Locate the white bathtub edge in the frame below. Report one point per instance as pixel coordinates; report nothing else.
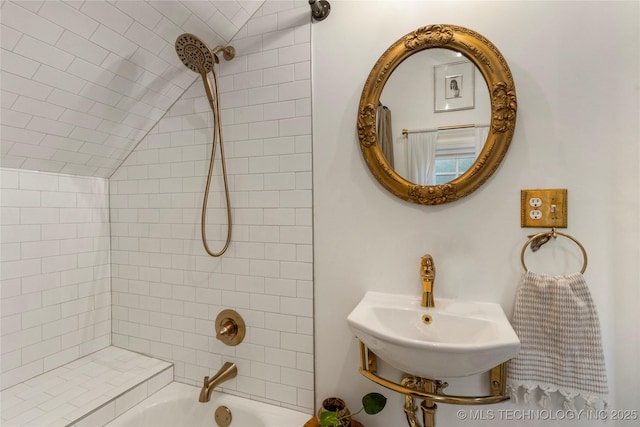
(189, 393)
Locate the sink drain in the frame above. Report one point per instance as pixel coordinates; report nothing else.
(426, 319)
(223, 416)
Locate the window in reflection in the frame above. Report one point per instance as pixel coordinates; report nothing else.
(449, 168)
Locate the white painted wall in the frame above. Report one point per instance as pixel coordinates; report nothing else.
(575, 65)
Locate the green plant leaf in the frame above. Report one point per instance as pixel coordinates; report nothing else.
(329, 419)
(373, 403)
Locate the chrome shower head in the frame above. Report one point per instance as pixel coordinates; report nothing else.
(194, 53)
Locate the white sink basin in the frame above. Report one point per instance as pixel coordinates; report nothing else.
(464, 337)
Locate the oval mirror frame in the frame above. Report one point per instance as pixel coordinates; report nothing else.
(499, 80)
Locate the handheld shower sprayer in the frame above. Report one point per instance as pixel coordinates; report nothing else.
(197, 56)
(194, 54)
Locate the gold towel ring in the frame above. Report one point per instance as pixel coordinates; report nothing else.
(548, 234)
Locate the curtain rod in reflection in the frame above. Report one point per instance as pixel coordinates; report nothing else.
(406, 132)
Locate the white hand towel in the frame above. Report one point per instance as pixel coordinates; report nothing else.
(561, 349)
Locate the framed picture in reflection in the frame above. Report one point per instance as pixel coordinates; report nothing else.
(454, 86)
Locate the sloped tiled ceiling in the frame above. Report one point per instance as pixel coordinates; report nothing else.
(84, 81)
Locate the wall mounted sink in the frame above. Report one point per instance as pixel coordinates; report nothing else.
(454, 339)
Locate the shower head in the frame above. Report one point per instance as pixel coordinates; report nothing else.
(194, 53)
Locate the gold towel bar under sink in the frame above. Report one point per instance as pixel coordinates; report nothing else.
(368, 368)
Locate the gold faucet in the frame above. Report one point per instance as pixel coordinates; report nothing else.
(229, 370)
(428, 276)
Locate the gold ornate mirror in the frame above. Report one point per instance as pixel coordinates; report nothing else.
(472, 50)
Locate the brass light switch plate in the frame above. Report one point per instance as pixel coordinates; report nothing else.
(544, 208)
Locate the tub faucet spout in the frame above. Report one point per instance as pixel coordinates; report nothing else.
(229, 370)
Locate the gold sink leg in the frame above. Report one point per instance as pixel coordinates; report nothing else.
(428, 406)
(428, 413)
(498, 380)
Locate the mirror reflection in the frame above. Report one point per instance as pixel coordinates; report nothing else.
(455, 98)
(433, 116)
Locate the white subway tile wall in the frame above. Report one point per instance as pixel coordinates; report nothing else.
(55, 271)
(83, 82)
(166, 291)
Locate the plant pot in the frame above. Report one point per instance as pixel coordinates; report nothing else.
(338, 406)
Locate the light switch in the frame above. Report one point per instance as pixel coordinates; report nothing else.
(544, 208)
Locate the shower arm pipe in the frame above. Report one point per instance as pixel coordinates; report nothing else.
(214, 102)
(319, 9)
(228, 52)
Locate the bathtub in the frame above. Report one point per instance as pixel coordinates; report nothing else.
(177, 405)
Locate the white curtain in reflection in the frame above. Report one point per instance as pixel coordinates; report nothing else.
(481, 137)
(421, 152)
(401, 160)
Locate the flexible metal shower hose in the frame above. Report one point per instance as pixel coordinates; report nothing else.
(214, 102)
